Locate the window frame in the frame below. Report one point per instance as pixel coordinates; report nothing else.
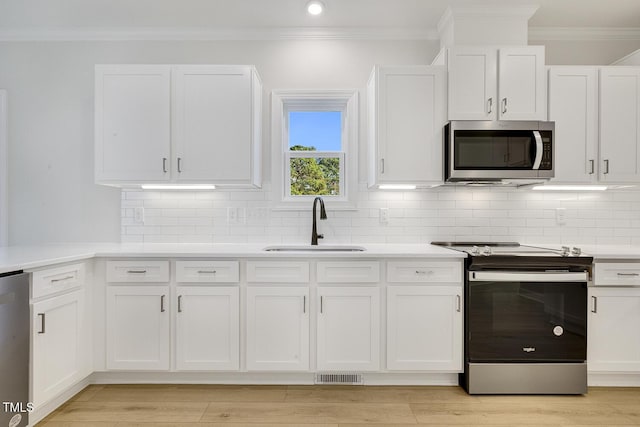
(286, 101)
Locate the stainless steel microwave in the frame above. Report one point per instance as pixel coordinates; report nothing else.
(494, 151)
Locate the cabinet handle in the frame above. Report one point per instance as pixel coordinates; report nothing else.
(164, 164)
(606, 167)
(179, 303)
(207, 271)
(628, 274)
(42, 323)
(458, 303)
(136, 271)
(179, 164)
(504, 105)
(61, 279)
(592, 167)
(321, 305)
(304, 303)
(162, 304)
(594, 305)
(489, 105)
(381, 166)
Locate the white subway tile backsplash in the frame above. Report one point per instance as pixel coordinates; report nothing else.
(445, 213)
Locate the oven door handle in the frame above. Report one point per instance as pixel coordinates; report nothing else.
(527, 276)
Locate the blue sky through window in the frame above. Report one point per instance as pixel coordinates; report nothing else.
(320, 129)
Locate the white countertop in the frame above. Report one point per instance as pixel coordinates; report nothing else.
(14, 258)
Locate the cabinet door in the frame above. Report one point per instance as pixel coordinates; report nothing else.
(277, 328)
(522, 83)
(573, 105)
(207, 328)
(138, 328)
(348, 329)
(132, 123)
(57, 345)
(613, 336)
(424, 328)
(619, 124)
(214, 123)
(472, 83)
(410, 121)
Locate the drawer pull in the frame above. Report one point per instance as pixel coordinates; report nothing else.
(42, 324)
(136, 271)
(207, 271)
(629, 274)
(424, 272)
(62, 279)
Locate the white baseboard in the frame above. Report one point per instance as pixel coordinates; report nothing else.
(607, 379)
(42, 411)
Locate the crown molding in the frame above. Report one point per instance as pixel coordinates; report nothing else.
(207, 34)
(496, 11)
(583, 33)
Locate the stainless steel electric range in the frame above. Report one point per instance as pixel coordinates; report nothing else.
(525, 318)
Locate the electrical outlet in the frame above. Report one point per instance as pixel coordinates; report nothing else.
(384, 215)
(561, 216)
(138, 215)
(232, 215)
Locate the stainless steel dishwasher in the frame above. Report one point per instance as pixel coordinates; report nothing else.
(14, 349)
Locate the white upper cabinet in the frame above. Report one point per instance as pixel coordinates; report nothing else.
(216, 116)
(619, 124)
(132, 123)
(406, 116)
(573, 106)
(178, 123)
(486, 83)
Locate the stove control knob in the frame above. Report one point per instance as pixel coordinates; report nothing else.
(565, 251)
(576, 251)
(486, 251)
(475, 250)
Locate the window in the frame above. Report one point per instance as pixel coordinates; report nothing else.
(314, 137)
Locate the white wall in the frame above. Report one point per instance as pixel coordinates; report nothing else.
(52, 197)
(586, 52)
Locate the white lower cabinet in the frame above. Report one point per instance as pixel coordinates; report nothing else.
(424, 328)
(277, 328)
(207, 328)
(348, 329)
(57, 336)
(138, 328)
(613, 335)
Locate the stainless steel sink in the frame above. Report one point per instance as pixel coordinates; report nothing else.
(310, 248)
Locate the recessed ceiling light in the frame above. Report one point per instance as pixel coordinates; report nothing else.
(315, 7)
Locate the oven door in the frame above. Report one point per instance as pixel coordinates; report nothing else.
(526, 317)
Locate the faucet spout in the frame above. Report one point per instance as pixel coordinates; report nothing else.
(323, 215)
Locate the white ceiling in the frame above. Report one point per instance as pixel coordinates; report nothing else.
(419, 15)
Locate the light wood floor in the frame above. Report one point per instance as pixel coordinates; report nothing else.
(336, 406)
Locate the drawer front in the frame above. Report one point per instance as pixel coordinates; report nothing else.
(277, 272)
(424, 272)
(143, 271)
(616, 274)
(349, 272)
(58, 279)
(207, 271)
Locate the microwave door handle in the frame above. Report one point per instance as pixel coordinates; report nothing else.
(538, 160)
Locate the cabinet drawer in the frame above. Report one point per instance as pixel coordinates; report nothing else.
(207, 271)
(53, 280)
(424, 271)
(137, 271)
(277, 272)
(349, 272)
(617, 274)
